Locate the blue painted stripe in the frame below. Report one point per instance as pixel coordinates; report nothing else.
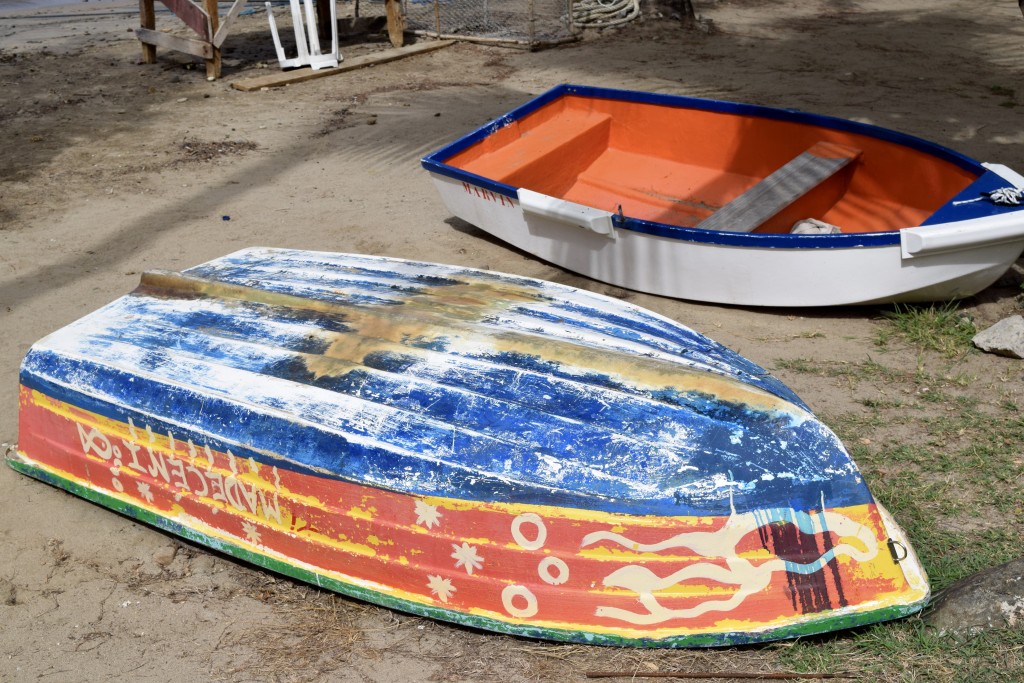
(696, 348)
(226, 424)
(263, 340)
(506, 402)
(450, 412)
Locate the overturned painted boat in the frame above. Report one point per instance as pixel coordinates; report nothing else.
(480, 448)
(733, 203)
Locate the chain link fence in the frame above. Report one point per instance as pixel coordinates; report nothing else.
(525, 23)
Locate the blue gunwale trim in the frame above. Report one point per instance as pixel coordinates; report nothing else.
(436, 163)
(827, 623)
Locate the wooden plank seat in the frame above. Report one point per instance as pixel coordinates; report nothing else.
(780, 189)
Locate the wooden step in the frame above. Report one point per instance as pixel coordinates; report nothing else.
(783, 187)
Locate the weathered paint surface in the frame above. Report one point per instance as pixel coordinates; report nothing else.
(485, 449)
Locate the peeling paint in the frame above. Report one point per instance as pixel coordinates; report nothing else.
(520, 447)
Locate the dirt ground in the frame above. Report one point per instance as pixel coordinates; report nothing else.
(109, 167)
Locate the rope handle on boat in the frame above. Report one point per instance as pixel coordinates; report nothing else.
(1005, 196)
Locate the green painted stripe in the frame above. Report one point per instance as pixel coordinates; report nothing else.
(823, 625)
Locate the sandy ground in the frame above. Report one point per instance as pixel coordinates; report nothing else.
(108, 167)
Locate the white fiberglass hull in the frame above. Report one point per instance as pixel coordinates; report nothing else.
(750, 275)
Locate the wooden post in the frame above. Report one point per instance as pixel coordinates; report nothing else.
(533, 24)
(323, 17)
(213, 63)
(147, 20)
(396, 22)
(687, 14)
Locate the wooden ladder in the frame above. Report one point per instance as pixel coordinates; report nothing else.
(783, 187)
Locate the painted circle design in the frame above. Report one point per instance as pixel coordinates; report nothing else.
(537, 522)
(510, 593)
(553, 570)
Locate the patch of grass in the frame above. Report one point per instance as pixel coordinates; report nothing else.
(800, 335)
(853, 373)
(880, 403)
(936, 327)
(869, 370)
(909, 651)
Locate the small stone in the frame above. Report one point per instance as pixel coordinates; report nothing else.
(1005, 338)
(992, 599)
(164, 556)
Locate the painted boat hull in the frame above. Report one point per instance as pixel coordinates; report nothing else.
(961, 248)
(483, 449)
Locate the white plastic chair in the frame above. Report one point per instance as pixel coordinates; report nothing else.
(309, 53)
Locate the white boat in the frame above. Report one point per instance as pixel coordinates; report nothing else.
(733, 203)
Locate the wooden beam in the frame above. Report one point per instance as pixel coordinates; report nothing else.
(193, 16)
(212, 62)
(147, 21)
(191, 46)
(225, 25)
(307, 74)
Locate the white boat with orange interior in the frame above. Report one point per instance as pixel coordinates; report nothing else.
(733, 203)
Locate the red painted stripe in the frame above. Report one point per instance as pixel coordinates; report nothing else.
(503, 559)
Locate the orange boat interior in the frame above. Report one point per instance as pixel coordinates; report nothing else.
(679, 166)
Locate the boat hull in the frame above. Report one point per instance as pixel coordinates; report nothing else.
(182, 405)
(744, 275)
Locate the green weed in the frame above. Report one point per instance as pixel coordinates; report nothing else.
(940, 328)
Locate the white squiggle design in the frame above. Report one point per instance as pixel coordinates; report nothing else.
(750, 578)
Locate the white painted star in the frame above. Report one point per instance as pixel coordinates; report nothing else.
(442, 588)
(144, 491)
(251, 532)
(427, 514)
(465, 556)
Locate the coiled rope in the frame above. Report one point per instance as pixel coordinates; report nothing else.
(1005, 196)
(604, 13)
